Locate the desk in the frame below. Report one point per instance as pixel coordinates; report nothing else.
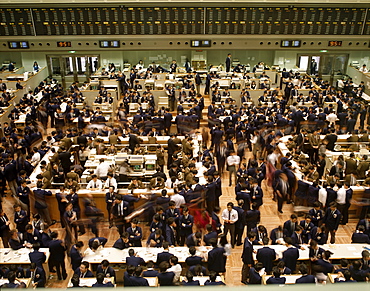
(19, 257)
(26, 281)
(88, 282)
(290, 279)
(116, 256)
(153, 281)
(87, 119)
(203, 279)
(340, 251)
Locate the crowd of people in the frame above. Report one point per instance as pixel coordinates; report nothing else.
(191, 216)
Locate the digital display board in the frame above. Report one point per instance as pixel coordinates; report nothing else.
(18, 44)
(109, 44)
(184, 20)
(64, 44)
(335, 43)
(200, 43)
(290, 43)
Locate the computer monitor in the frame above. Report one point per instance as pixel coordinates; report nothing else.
(149, 167)
(137, 168)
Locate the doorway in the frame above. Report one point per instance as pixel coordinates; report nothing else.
(71, 68)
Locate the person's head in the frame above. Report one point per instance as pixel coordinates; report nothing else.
(347, 275)
(251, 235)
(192, 250)
(134, 223)
(344, 263)
(11, 277)
(29, 228)
(276, 272)
(100, 278)
(356, 265)
(131, 252)
(288, 240)
(230, 206)
(138, 271)
(171, 221)
(75, 280)
(313, 244)
(84, 267)
(333, 206)
(317, 205)
(104, 264)
(17, 208)
(365, 254)
(79, 245)
(36, 246)
(294, 218)
(163, 266)
(150, 264)
(265, 240)
(166, 245)
(174, 260)
(258, 267)
(298, 229)
(326, 254)
(131, 269)
(308, 218)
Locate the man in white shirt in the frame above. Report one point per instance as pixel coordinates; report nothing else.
(36, 157)
(341, 198)
(178, 199)
(111, 181)
(175, 267)
(332, 118)
(323, 195)
(363, 69)
(102, 169)
(230, 216)
(172, 182)
(95, 183)
(233, 162)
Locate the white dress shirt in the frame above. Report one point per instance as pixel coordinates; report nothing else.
(341, 196)
(233, 215)
(233, 160)
(111, 182)
(322, 196)
(178, 199)
(102, 169)
(95, 185)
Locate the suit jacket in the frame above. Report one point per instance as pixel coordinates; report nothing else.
(360, 238)
(150, 273)
(76, 258)
(273, 280)
(266, 256)
(88, 273)
(316, 216)
(208, 236)
(288, 227)
(135, 261)
(170, 236)
(102, 241)
(186, 229)
(135, 236)
(290, 257)
(254, 277)
(193, 260)
(138, 281)
(306, 279)
(108, 271)
(39, 278)
(247, 255)
(366, 224)
(351, 166)
(166, 278)
(163, 257)
(38, 258)
(120, 244)
(332, 220)
(273, 235)
(326, 266)
(57, 251)
(217, 260)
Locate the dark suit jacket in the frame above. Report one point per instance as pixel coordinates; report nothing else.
(38, 258)
(217, 260)
(88, 274)
(109, 271)
(150, 273)
(289, 229)
(102, 241)
(306, 279)
(40, 277)
(266, 256)
(274, 237)
(135, 261)
(247, 255)
(57, 251)
(170, 236)
(120, 244)
(163, 256)
(326, 266)
(332, 220)
(138, 281)
(254, 277)
(76, 258)
(273, 280)
(360, 238)
(208, 236)
(290, 257)
(165, 279)
(193, 260)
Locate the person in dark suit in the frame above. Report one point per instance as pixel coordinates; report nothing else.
(359, 236)
(210, 234)
(36, 256)
(307, 227)
(137, 279)
(165, 255)
(261, 232)
(216, 258)
(290, 255)
(254, 276)
(16, 242)
(266, 256)
(37, 275)
(189, 280)
(316, 214)
(150, 272)
(305, 278)
(297, 237)
(32, 235)
(193, 260)
(277, 234)
(76, 255)
(212, 280)
(290, 225)
(133, 260)
(228, 63)
(347, 277)
(155, 239)
(109, 199)
(20, 218)
(123, 242)
(101, 241)
(57, 255)
(324, 262)
(315, 252)
(83, 270)
(276, 279)
(105, 269)
(119, 212)
(194, 240)
(247, 256)
(165, 278)
(252, 217)
(331, 221)
(4, 228)
(366, 223)
(256, 193)
(135, 233)
(100, 281)
(240, 223)
(170, 236)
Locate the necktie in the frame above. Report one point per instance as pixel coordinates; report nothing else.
(94, 184)
(229, 215)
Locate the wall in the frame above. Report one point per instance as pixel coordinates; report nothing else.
(251, 57)
(11, 56)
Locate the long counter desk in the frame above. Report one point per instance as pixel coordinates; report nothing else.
(340, 251)
(19, 257)
(116, 256)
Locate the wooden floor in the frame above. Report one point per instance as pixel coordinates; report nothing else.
(269, 218)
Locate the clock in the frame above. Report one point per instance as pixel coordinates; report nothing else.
(64, 44)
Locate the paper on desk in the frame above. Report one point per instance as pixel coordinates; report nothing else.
(351, 248)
